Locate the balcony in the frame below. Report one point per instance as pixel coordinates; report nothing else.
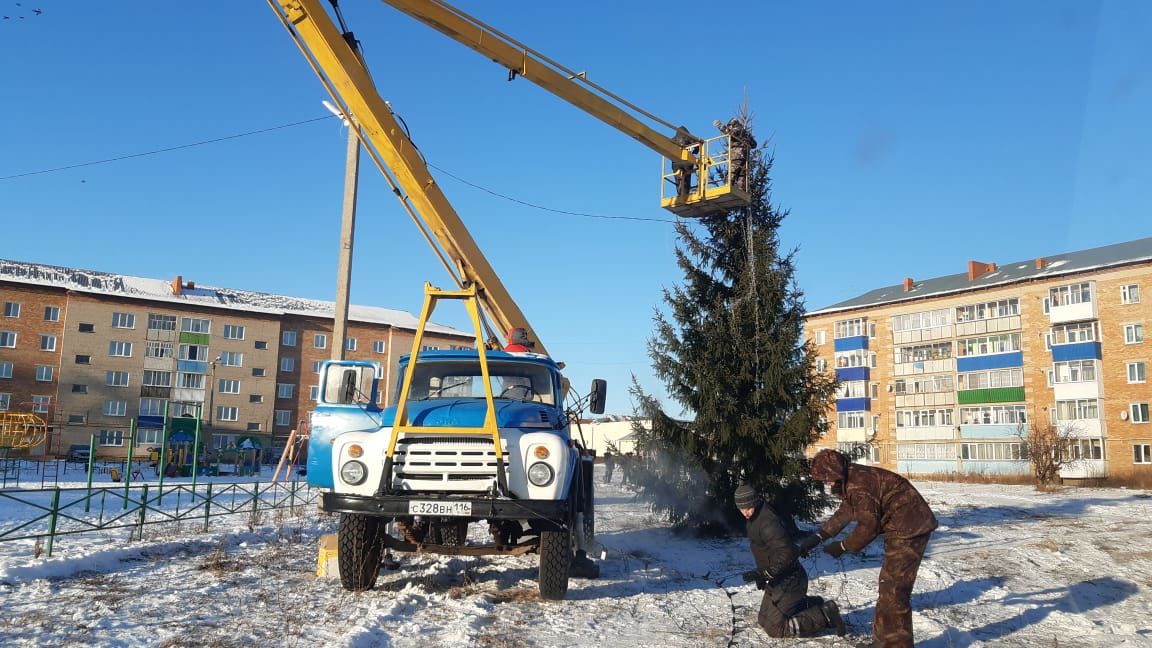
(926, 433)
(1073, 312)
(850, 374)
(1074, 390)
(925, 366)
(1085, 469)
(852, 435)
(1076, 351)
(922, 335)
(931, 399)
(854, 343)
(994, 325)
(992, 361)
(853, 404)
(991, 395)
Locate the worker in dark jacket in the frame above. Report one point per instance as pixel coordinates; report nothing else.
(880, 502)
(786, 609)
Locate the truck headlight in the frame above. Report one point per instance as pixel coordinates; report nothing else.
(540, 474)
(354, 473)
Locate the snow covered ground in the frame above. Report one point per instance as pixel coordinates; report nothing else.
(1008, 567)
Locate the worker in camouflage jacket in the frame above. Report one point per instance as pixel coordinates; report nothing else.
(880, 502)
(786, 609)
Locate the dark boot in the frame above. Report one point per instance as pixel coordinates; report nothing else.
(583, 567)
(832, 613)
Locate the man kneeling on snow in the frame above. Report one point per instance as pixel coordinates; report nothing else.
(786, 610)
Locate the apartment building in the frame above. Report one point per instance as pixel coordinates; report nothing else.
(942, 376)
(105, 356)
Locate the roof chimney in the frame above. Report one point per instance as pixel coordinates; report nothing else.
(178, 286)
(908, 284)
(1040, 263)
(977, 269)
(191, 285)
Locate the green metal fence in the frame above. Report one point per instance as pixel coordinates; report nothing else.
(55, 512)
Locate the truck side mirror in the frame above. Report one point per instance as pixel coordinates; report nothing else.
(598, 395)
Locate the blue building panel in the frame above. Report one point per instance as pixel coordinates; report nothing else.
(926, 466)
(1005, 431)
(994, 467)
(854, 405)
(192, 366)
(994, 361)
(853, 343)
(852, 373)
(1076, 351)
(149, 422)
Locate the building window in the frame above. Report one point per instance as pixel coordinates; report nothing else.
(287, 364)
(1072, 333)
(153, 378)
(47, 342)
(988, 345)
(148, 436)
(232, 359)
(253, 427)
(115, 408)
(988, 310)
(228, 386)
(123, 320)
(872, 330)
(43, 373)
(120, 349)
(350, 344)
(1075, 371)
(288, 338)
(186, 380)
(821, 365)
(923, 418)
(255, 398)
(51, 313)
(851, 389)
(5, 402)
(285, 390)
(153, 406)
(40, 404)
(195, 325)
(11, 309)
(79, 389)
(224, 413)
(84, 327)
(849, 328)
(258, 372)
(1133, 333)
(5, 369)
(261, 344)
(1130, 294)
(1136, 372)
(316, 366)
(991, 379)
(1086, 449)
(1080, 293)
(283, 418)
(917, 321)
(923, 352)
(821, 337)
(111, 437)
(83, 359)
(193, 352)
(994, 415)
(1142, 453)
(77, 419)
(8, 339)
(158, 350)
(223, 441)
(1139, 412)
(314, 393)
(1077, 410)
(161, 322)
(233, 332)
(320, 341)
(116, 378)
(875, 391)
(378, 345)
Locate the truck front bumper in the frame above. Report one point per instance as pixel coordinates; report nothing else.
(549, 512)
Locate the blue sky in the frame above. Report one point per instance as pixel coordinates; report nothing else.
(909, 137)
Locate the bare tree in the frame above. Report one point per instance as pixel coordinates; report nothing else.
(1048, 448)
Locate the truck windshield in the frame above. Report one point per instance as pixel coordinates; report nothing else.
(511, 381)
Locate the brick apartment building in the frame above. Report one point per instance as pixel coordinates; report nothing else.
(941, 376)
(95, 353)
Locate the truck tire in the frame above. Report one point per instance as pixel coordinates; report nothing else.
(555, 556)
(360, 546)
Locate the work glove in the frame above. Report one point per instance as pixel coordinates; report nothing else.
(836, 549)
(759, 576)
(808, 543)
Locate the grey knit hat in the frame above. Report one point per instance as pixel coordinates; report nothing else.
(746, 497)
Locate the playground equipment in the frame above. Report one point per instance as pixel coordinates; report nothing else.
(21, 430)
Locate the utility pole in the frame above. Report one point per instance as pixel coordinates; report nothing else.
(347, 229)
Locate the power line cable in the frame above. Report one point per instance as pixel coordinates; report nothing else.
(166, 150)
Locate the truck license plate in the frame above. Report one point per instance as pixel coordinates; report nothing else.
(425, 507)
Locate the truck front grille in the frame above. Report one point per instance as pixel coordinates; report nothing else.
(431, 463)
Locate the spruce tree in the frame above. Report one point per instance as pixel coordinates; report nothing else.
(731, 352)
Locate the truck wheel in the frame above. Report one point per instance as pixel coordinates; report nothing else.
(555, 556)
(360, 544)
